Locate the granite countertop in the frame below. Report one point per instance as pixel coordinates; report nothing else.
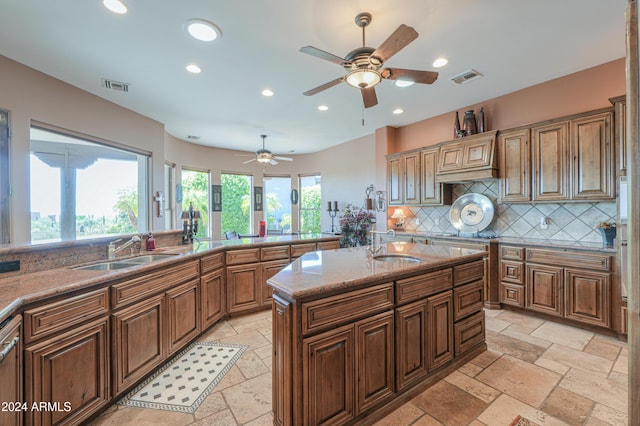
(322, 272)
(19, 290)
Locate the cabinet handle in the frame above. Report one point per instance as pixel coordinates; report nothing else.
(8, 346)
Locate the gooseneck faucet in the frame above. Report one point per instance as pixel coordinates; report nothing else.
(372, 248)
(112, 250)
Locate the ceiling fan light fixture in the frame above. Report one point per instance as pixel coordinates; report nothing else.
(116, 6)
(363, 78)
(404, 83)
(193, 69)
(440, 62)
(323, 107)
(202, 30)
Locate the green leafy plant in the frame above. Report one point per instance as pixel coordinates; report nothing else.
(355, 223)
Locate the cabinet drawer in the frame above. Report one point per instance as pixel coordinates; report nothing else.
(298, 250)
(468, 333)
(467, 299)
(512, 294)
(510, 252)
(598, 262)
(512, 272)
(468, 272)
(331, 311)
(328, 245)
(153, 283)
(274, 253)
(415, 288)
(211, 263)
(237, 257)
(55, 317)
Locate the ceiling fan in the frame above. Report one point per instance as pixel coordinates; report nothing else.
(264, 155)
(364, 64)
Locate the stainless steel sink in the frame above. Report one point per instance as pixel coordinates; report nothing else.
(106, 266)
(147, 258)
(396, 258)
(126, 263)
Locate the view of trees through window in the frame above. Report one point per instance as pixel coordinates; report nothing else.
(236, 203)
(81, 189)
(310, 210)
(195, 192)
(277, 205)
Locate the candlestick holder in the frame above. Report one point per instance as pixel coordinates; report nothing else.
(333, 212)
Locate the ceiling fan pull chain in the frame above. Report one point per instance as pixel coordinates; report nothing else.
(362, 117)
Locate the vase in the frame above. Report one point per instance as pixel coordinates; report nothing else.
(456, 127)
(608, 235)
(469, 123)
(481, 123)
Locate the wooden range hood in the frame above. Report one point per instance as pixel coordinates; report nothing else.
(468, 159)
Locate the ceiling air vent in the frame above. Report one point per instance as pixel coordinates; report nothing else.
(115, 85)
(466, 76)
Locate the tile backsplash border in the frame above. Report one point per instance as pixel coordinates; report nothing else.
(567, 221)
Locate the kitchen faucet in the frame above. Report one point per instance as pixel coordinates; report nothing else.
(112, 250)
(372, 248)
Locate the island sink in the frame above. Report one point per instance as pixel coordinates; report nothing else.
(396, 258)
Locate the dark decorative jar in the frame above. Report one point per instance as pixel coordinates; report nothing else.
(608, 235)
(481, 121)
(456, 127)
(469, 123)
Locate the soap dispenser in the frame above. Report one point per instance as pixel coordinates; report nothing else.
(151, 243)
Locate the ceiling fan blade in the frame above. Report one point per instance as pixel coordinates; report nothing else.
(369, 97)
(273, 162)
(318, 53)
(401, 37)
(324, 87)
(283, 158)
(248, 161)
(422, 77)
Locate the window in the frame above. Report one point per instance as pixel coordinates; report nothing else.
(310, 191)
(82, 188)
(195, 192)
(236, 203)
(4, 177)
(277, 204)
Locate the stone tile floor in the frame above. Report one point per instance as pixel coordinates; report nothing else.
(550, 373)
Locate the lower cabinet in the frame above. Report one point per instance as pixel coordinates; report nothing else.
(587, 296)
(212, 298)
(183, 318)
(269, 269)
(11, 372)
(411, 346)
(439, 329)
(544, 289)
(71, 371)
(243, 287)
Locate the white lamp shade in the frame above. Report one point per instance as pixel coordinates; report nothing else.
(398, 214)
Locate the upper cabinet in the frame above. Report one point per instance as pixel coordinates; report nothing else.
(432, 193)
(411, 179)
(411, 188)
(470, 158)
(515, 165)
(550, 155)
(395, 177)
(619, 134)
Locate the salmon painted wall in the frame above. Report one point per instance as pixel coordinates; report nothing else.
(575, 93)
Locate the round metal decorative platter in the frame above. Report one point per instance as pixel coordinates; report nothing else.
(471, 213)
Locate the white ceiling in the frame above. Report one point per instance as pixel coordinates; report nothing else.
(514, 43)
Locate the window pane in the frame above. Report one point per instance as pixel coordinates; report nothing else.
(195, 192)
(236, 203)
(310, 191)
(277, 206)
(83, 189)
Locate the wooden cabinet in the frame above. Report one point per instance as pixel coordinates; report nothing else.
(432, 192)
(550, 161)
(395, 174)
(470, 158)
(619, 132)
(587, 296)
(11, 371)
(269, 269)
(411, 344)
(439, 329)
(328, 245)
(411, 178)
(243, 287)
(591, 158)
(298, 250)
(213, 297)
(70, 370)
(183, 314)
(544, 289)
(512, 275)
(139, 341)
(514, 165)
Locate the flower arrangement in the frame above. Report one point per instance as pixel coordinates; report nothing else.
(355, 223)
(606, 225)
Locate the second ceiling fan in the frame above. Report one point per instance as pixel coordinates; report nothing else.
(365, 64)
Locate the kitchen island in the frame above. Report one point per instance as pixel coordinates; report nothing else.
(356, 335)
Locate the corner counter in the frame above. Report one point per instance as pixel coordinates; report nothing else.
(355, 337)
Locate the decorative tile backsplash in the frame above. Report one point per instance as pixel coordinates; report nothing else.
(567, 221)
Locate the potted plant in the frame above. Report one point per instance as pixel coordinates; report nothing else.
(355, 223)
(608, 232)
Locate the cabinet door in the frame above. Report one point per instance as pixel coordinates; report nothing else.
(591, 158)
(620, 136)
(477, 153)
(394, 181)
(544, 289)
(515, 166)
(587, 296)
(450, 158)
(550, 155)
(139, 341)
(11, 371)
(374, 360)
(212, 297)
(439, 329)
(411, 346)
(328, 363)
(411, 181)
(283, 396)
(430, 191)
(269, 269)
(70, 370)
(243, 287)
(184, 321)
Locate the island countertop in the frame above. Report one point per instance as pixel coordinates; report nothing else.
(318, 273)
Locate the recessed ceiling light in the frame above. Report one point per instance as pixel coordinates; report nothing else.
(440, 62)
(202, 30)
(398, 111)
(404, 83)
(193, 68)
(267, 92)
(116, 6)
(323, 107)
